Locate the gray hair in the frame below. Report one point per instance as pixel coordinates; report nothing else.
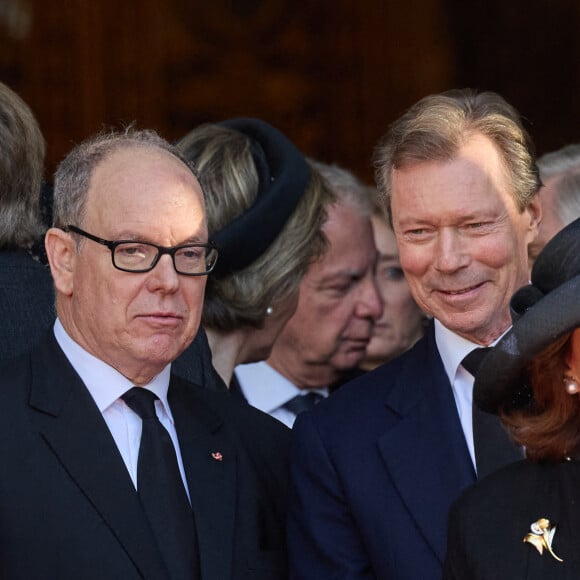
(22, 151)
(436, 127)
(73, 175)
(564, 166)
(347, 187)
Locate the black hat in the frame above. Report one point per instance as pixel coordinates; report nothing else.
(283, 175)
(542, 312)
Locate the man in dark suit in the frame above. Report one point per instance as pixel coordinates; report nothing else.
(92, 418)
(376, 467)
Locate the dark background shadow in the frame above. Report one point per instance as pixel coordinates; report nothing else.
(332, 75)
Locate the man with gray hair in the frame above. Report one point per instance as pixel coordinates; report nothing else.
(559, 194)
(376, 467)
(327, 336)
(113, 467)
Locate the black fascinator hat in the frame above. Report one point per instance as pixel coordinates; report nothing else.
(542, 312)
(283, 175)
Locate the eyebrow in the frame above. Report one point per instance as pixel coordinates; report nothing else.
(131, 237)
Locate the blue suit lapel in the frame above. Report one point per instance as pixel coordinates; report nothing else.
(75, 432)
(424, 450)
(210, 465)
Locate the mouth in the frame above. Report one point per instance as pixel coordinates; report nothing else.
(357, 343)
(462, 292)
(162, 319)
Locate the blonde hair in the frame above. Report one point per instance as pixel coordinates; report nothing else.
(228, 176)
(437, 126)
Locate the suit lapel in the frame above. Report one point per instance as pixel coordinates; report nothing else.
(210, 465)
(425, 450)
(74, 429)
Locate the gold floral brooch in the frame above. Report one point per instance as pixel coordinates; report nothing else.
(541, 537)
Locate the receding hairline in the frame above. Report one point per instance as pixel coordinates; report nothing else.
(186, 176)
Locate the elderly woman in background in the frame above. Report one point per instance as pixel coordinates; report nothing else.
(265, 209)
(402, 323)
(524, 520)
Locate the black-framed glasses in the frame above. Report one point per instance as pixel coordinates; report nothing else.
(138, 257)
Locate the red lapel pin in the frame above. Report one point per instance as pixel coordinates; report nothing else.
(217, 456)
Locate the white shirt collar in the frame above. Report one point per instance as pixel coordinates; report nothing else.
(104, 383)
(265, 388)
(453, 348)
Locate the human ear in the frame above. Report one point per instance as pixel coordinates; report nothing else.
(534, 210)
(62, 256)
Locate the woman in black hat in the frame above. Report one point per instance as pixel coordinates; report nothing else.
(524, 520)
(265, 210)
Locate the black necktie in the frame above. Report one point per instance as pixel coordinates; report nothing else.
(301, 403)
(161, 490)
(492, 444)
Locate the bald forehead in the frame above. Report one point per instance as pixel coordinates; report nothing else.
(138, 156)
(146, 177)
(138, 165)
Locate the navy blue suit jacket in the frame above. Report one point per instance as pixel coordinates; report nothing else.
(375, 469)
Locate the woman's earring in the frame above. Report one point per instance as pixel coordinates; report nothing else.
(269, 311)
(571, 385)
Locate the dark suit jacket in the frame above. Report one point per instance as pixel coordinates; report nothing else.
(26, 302)
(68, 508)
(195, 364)
(488, 523)
(375, 469)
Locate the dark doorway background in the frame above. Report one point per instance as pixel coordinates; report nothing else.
(332, 75)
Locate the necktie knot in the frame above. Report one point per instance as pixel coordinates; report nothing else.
(142, 401)
(301, 403)
(473, 360)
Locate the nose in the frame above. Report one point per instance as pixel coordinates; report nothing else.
(369, 304)
(163, 277)
(450, 254)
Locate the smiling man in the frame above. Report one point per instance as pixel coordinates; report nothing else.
(376, 468)
(115, 468)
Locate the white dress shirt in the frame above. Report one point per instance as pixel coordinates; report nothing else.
(106, 385)
(267, 390)
(453, 349)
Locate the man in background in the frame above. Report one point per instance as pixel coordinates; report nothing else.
(559, 194)
(327, 336)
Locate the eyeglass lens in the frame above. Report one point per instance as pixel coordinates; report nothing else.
(189, 259)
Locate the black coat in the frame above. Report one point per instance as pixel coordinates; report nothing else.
(69, 510)
(26, 302)
(488, 523)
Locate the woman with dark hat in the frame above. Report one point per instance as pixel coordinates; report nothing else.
(265, 210)
(524, 520)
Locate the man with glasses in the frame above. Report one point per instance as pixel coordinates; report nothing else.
(113, 467)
